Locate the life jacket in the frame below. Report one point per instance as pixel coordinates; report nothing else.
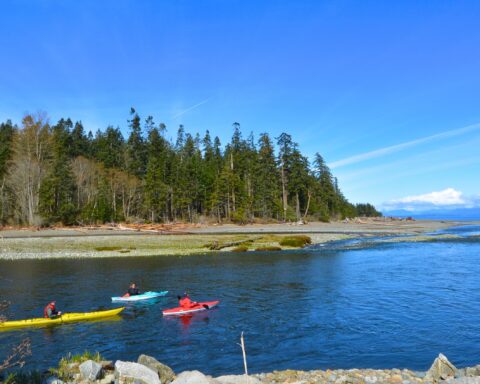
(185, 302)
(45, 311)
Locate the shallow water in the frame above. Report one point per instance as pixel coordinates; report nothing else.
(379, 306)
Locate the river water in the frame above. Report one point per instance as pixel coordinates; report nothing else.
(342, 305)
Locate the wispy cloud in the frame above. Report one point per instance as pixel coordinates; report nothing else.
(447, 198)
(398, 147)
(191, 108)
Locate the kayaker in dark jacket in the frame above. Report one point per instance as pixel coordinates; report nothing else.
(133, 290)
(50, 311)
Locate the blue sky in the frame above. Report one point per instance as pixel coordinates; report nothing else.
(382, 89)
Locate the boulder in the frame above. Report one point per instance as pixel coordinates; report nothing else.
(237, 379)
(192, 377)
(107, 365)
(53, 380)
(165, 373)
(108, 379)
(129, 373)
(463, 380)
(90, 370)
(472, 371)
(441, 369)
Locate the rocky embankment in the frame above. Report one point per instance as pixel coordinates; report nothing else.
(148, 370)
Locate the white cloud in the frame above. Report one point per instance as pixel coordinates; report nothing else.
(398, 147)
(448, 198)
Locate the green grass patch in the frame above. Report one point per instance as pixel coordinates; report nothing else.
(267, 249)
(30, 377)
(297, 241)
(64, 371)
(240, 248)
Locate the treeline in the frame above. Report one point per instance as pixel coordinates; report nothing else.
(60, 174)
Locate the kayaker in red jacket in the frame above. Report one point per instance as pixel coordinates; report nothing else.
(50, 311)
(185, 301)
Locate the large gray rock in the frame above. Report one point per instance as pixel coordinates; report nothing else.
(441, 369)
(472, 371)
(463, 380)
(108, 379)
(107, 365)
(53, 380)
(165, 373)
(192, 377)
(90, 370)
(237, 379)
(129, 373)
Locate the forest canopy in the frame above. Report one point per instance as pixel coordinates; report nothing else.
(58, 173)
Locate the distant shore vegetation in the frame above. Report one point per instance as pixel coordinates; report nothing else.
(59, 174)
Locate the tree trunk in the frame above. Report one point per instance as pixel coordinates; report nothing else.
(308, 206)
(297, 206)
(284, 196)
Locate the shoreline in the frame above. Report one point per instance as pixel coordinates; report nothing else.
(182, 240)
(92, 368)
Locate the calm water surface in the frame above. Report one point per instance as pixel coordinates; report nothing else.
(347, 304)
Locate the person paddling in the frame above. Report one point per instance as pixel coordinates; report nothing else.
(132, 290)
(185, 301)
(50, 311)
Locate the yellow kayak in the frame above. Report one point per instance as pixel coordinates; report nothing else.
(64, 318)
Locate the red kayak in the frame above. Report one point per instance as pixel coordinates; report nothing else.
(194, 308)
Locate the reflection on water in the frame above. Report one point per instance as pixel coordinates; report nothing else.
(387, 305)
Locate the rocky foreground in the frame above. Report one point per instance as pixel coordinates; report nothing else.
(148, 370)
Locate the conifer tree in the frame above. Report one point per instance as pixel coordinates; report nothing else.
(79, 142)
(156, 189)
(57, 191)
(68, 176)
(109, 148)
(136, 150)
(268, 193)
(6, 138)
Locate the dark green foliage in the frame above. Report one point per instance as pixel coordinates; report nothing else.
(24, 377)
(267, 193)
(367, 210)
(80, 144)
(136, 148)
(147, 177)
(109, 148)
(6, 137)
(57, 191)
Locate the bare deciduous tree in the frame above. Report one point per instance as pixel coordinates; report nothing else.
(28, 166)
(86, 174)
(17, 356)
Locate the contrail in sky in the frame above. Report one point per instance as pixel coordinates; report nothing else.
(190, 108)
(398, 147)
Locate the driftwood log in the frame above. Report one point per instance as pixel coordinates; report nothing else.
(217, 246)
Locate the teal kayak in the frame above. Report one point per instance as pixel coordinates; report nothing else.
(143, 296)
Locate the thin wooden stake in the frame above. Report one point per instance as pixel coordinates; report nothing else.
(242, 345)
(244, 354)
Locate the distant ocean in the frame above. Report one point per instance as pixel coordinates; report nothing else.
(466, 214)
